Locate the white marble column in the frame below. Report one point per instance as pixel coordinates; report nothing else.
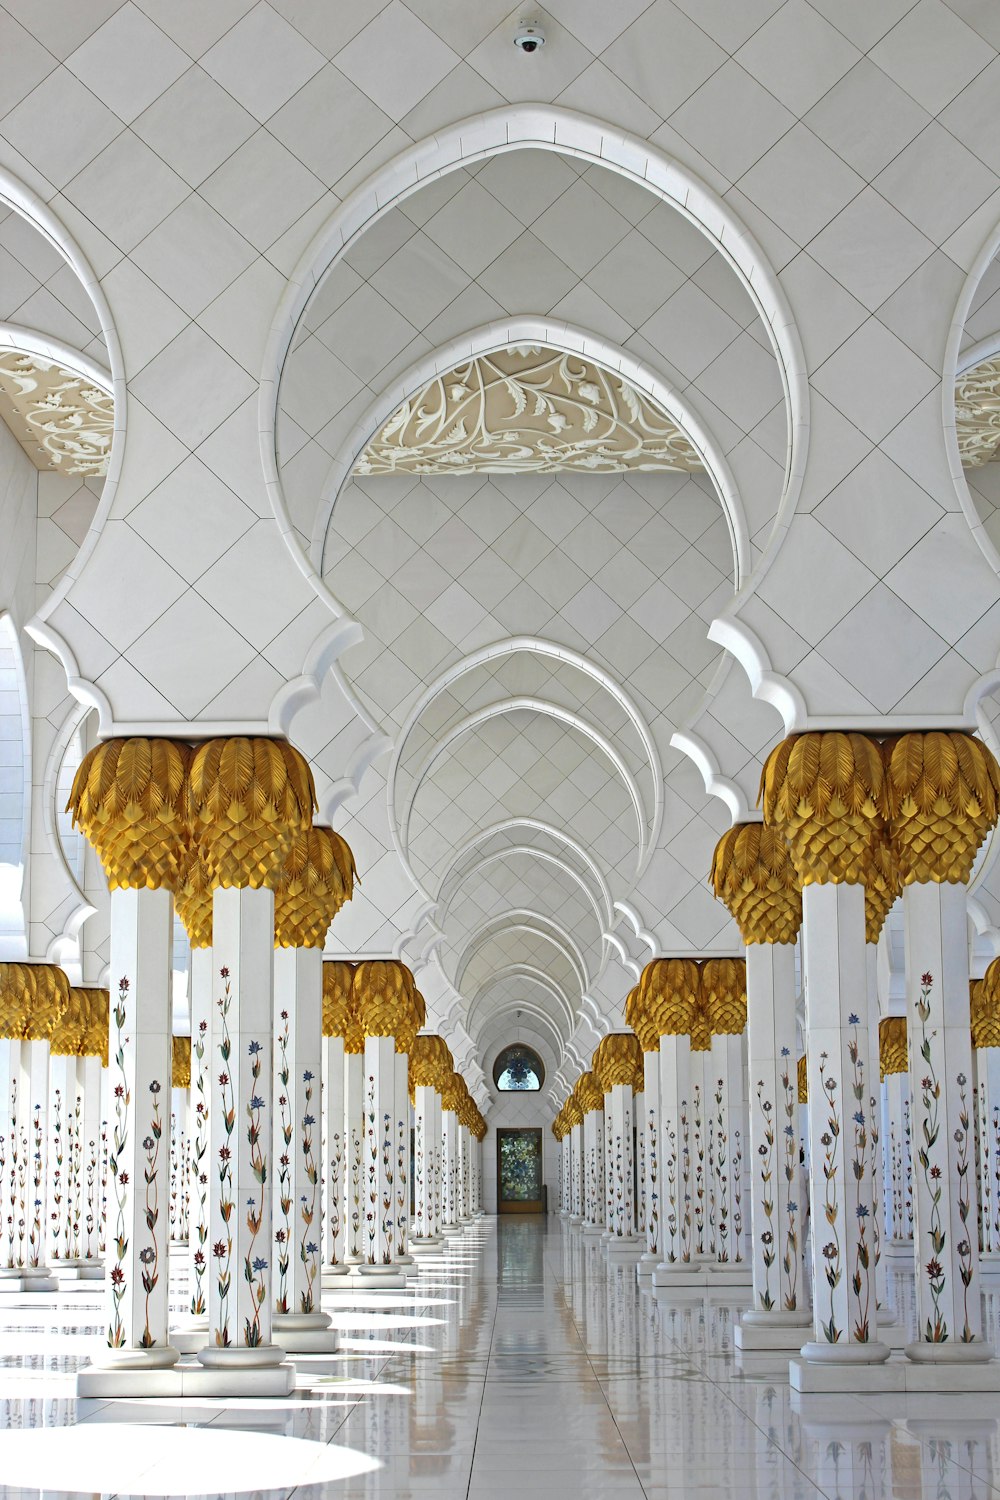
(676, 1173)
(335, 1177)
(730, 1121)
(14, 1135)
(241, 1277)
(437, 1160)
(897, 1164)
(180, 1156)
(140, 1062)
(698, 1164)
(449, 1169)
(202, 1009)
(61, 1171)
(777, 1211)
(619, 1147)
(90, 1167)
(949, 1314)
(379, 1155)
(401, 1134)
(650, 1105)
(986, 1063)
(354, 1147)
(594, 1169)
(840, 1069)
(298, 1322)
(424, 1147)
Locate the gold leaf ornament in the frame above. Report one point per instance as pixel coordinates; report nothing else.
(249, 798)
(129, 797)
(825, 792)
(617, 1060)
(385, 997)
(668, 989)
(589, 1094)
(701, 1027)
(340, 1013)
(193, 901)
(33, 1000)
(893, 1051)
(943, 793)
(95, 1037)
(984, 1006)
(70, 1029)
(180, 1062)
(753, 875)
(724, 993)
(641, 1021)
(881, 887)
(431, 1063)
(574, 1113)
(317, 877)
(802, 1078)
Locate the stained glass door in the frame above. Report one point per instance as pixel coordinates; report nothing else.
(519, 1171)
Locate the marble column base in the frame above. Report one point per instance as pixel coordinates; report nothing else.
(452, 1231)
(758, 1331)
(989, 1266)
(576, 1218)
(898, 1250)
(646, 1265)
(896, 1375)
(91, 1270)
(624, 1251)
(678, 1274)
(304, 1333)
(592, 1230)
(26, 1280)
(425, 1242)
(739, 1273)
(187, 1378)
(356, 1281)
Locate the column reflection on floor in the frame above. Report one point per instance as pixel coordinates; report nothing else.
(517, 1361)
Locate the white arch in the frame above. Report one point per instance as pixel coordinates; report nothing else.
(552, 333)
(551, 128)
(534, 922)
(493, 653)
(544, 856)
(537, 826)
(527, 705)
(954, 364)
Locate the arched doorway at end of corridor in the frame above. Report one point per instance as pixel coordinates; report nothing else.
(519, 1171)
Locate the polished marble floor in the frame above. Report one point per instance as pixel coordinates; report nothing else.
(517, 1364)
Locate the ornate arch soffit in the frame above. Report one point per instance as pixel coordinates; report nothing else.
(560, 337)
(528, 705)
(18, 196)
(494, 1034)
(80, 908)
(550, 128)
(955, 364)
(58, 403)
(565, 1013)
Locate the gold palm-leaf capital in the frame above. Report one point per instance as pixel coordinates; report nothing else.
(753, 874)
(641, 1020)
(617, 1060)
(802, 1079)
(984, 1007)
(129, 797)
(668, 989)
(825, 792)
(249, 798)
(180, 1062)
(943, 790)
(724, 994)
(893, 1051)
(315, 880)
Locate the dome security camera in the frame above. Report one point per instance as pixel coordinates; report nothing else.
(530, 37)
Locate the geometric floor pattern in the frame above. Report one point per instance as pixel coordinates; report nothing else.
(518, 1363)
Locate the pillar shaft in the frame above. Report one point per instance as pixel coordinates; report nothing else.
(61, 1165)
(944, 1169)
(241, 1283)
(840, 1069)
(449, 1168)
(380, 1151)
(17, 1156)
(619, 1160)
(649, 1104)
(335, 1154)
(180, 1150)
(90, 1165)
(699, 1164)
(202, 1010)
(424, 1219)
(140, 1064)
(401, 1134)
(577, 1178)
(898, 1167)
(987, 1074)
(874, 1108)
(593, 1150)
(776, 1210)
(729, 1139)
(675, 1160)
(298, 1003)
(354, 1145)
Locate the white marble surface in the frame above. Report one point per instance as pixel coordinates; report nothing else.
(517, 1363)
